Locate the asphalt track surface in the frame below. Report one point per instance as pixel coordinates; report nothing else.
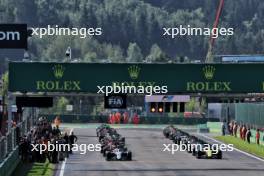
(149, 159)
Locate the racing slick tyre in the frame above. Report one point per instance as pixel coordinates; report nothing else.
(108, 157)
(177, 141)
(129, 156)
(219, 155)
(102, 150)
(189, 150)
(198, 155)
(104, 153)
(167, 135)
(100, 138)
(193, 153)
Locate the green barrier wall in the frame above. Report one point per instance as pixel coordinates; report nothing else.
(10, 163)
(250, 113)
(215, 127)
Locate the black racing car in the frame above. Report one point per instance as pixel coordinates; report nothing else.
(101, 128)
(207, 151)
(180, 137)
(168, 131)
(196, 146)
(113, 145)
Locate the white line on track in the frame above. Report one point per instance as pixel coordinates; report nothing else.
(64, 162)
(245, 153)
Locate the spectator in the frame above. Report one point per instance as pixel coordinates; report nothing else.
(57, 121)
(136, 118)
(62, 152)
(223, 129)
(30, 136)
(230, 128)
(241, 131)
(41, 134)
(23, 148)
(66, 141)
(56, 131)
(248, 135)
(121, 118)
(44, 154)
(113, 118)
(110, 118)
(235, 129)
(54, 153)
(257, 136)
(244, 131)
(125, 117)
(72, 140)
(66, 138)
(117, 117)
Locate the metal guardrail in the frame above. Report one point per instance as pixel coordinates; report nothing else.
(9, 142)
(3, 149)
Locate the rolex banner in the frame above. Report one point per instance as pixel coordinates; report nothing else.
(179, 78)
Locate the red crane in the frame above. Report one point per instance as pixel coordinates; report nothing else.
(209, 57)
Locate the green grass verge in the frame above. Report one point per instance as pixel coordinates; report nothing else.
(252, 148)
(35, 169)
(44, 169)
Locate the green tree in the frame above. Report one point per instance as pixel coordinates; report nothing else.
(26, 12)
(203, 105)
(56, 49)
(156, 54)
(7, 11)
(4, 79)
(4, 89)
(114, 54)
(88, 17)
(90, 57)
(134, 53)
(191, 105)
(141, 22)
(141, 26)
(60, 106)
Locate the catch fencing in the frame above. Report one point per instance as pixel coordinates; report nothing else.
(9, 142)
(250, 114)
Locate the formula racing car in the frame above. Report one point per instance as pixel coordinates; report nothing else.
(119, 154)
(207, 151)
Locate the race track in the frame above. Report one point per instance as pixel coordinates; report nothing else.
(149, 159)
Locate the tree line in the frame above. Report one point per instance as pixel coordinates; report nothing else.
(132, 29)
